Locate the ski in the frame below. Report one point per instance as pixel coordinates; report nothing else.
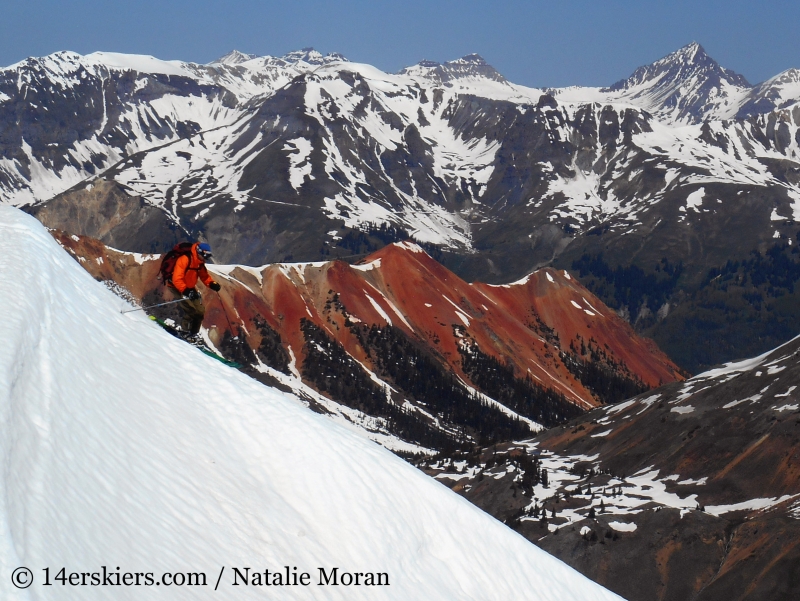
(201, 347)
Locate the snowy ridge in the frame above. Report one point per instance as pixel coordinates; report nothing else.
(779, 92)
(440, 151)
(90, 472)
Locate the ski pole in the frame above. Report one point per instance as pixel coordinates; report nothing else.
(152, 306)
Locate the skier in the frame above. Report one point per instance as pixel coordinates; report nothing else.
(188, 268)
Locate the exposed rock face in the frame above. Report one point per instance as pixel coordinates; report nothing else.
(107, 212)
(539, 350)
(691, 491)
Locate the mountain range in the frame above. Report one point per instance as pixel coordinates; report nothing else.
(308, 157)
(403, 350)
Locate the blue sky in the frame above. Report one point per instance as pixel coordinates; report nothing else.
(552, 43)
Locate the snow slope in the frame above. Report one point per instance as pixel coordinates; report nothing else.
(120, 446)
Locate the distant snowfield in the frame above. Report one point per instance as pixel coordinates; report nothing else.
(121, 446)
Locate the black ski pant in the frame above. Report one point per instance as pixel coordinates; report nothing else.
(193, 313)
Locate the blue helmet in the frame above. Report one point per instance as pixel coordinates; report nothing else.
(204, 250)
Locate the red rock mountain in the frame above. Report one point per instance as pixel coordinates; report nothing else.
(400, 310)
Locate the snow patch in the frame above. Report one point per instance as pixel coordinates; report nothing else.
(378, 308)
(695, 200)
(368, 266)
(299, 164)
(751, 505)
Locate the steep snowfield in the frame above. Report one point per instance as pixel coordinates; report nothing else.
(120, 446)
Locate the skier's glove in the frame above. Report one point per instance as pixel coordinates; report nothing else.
(191, 294)
(214, 286)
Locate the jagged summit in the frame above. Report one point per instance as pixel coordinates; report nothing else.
(312, 57)
(234, 57)
(304, 55)
(472, 66)
(683, 64)
(686, 86)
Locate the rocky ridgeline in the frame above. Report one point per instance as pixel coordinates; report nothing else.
(690, 491)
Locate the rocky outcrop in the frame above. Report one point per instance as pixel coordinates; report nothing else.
(108, 212)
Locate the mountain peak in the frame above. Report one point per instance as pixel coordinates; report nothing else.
(778, 92)
(234, 57)
(688, 62)
(691, 52)
(312, 57)
(471, 66)
(694, 55)
(304, 55)
(687, 84)
(471, 59)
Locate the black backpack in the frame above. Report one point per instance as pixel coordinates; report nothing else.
(169, 260)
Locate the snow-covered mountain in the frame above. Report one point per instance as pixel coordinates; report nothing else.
(234, 57)
(472, 68)
(779, 92)
(691, 491)
(450, 153)
(124, 447)
(684, 87)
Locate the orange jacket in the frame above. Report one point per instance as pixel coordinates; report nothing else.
(187, 269)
